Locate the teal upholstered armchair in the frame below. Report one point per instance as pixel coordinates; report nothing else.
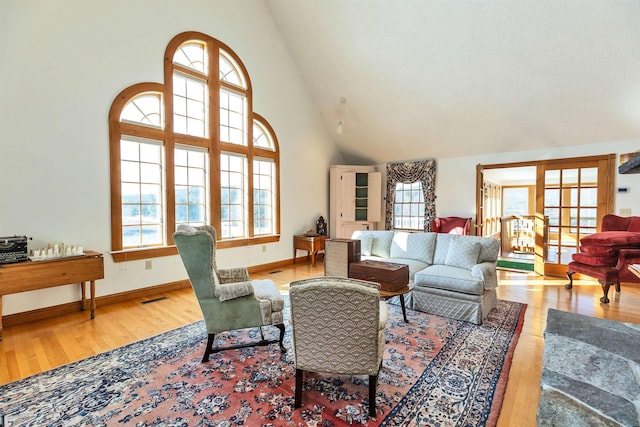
(337, 328)
(229, 300)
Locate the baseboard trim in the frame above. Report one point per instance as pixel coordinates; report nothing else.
(76, 306)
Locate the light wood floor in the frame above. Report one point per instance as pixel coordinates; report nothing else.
(38, 346)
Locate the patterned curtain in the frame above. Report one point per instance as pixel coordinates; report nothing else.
(406, 173)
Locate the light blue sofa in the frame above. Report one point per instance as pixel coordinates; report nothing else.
(453, 275)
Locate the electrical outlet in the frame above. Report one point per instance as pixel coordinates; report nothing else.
(625, 212)
(148, 265)
(264, 248)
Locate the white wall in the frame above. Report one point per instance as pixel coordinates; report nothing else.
(63, 63)
(456, 177)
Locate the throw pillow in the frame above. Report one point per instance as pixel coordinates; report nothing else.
(612, 238)
(367, 245)
(462, 253)
(634, 224)
(230, 291)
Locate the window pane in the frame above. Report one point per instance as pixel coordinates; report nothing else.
(129, 151)
(145, 109)
(191, 189)
(151, 193)
(233, 195)
(190, 106)
(264, 197)
(130, 214)
(261, 137)
(409, 206)
(130, 171)
(192, 55)
(569, 177)
(588, 197)
(232, 117)
(142, 193)
(229, 71)
(551, 197)
(552, 177)
(588, 176)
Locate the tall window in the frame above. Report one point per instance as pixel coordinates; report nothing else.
(409, 206)
(191, 185)
(192, 151)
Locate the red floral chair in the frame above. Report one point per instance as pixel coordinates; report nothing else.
(606, 255)
(451, 225)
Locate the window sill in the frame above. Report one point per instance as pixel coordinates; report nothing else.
(136, 254)
(146, 253)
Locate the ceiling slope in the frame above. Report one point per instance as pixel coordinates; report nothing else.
(436, 79)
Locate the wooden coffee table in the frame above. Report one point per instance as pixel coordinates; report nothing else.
(385, 295)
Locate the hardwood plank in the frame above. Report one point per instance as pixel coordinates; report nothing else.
(41, 345)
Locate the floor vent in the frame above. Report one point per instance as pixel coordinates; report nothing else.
(153, 300)
(275, 271)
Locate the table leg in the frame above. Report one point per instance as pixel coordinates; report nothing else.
(404, 310)
(313, 258)
(84, 296)
(93, 299)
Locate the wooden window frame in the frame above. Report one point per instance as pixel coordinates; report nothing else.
(211, 142)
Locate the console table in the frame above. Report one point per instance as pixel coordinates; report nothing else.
(31, 275)
(311, 244)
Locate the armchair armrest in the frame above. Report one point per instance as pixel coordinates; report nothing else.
(233, 275)
(487, 272)
(626, 257)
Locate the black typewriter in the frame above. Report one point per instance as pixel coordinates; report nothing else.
(13, 249)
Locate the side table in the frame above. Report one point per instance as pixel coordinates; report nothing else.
(385, 295)
(311, 244)
(32, 275)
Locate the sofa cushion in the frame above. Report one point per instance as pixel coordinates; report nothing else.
(462, 253)
(381, 241)
(414, 265)
(366, 245)
(585, 258)
(489, 248)
(634, 224)
(612, 238)
(416, 246)
(449, 278)
(602, 250)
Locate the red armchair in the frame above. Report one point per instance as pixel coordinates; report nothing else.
(451, 225)
(606, 255)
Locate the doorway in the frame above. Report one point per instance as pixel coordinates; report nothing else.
(540, 210)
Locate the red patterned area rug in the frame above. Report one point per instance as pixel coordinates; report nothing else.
(436, 372)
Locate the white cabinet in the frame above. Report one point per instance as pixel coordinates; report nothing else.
(355, 199)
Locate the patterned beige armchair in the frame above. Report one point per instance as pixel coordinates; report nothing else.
(337, 328)
(229, 300)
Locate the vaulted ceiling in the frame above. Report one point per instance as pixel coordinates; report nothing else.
(437, 78)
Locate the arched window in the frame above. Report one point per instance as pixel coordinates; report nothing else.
(192, 151)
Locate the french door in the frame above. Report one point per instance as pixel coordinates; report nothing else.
(572, 196)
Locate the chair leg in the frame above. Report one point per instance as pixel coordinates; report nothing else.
(570, 276)
(605, 289)
(209, 349)
(282, 348)
(373, 380)
(298, 396)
